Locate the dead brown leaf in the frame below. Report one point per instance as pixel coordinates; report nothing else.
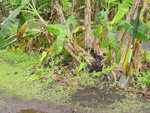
(21, 32)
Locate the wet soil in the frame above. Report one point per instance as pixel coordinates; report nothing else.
(100, 99)
(106, 96)
(87, 100)
(108, 100)
(19, 105)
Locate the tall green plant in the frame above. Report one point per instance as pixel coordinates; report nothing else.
(122, 10)
(61, 31)
(106, 26)
(10, 21)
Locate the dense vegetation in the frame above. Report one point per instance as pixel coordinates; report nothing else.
(76, 42)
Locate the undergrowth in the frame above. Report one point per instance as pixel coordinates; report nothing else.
(143, 80)
(57, 77)
(26, 61)
(70, 80)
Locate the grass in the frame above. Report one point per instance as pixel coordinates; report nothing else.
(132, 103)
(16, 84)
(26, 61)
(26, 86)
(58, 92)
(13, 66)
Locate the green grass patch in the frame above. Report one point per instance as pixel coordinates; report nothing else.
(24, 60)
(13, 81)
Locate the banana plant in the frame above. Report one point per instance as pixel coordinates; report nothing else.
(111, 38)
(25, 6)
(122, 10)
(141, 35)
(61, 33)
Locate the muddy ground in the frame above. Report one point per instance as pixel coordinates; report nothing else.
(88, 100)
(20, 105)
(20, 95)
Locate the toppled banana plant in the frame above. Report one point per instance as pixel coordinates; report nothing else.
(38, 43)
(70, 45)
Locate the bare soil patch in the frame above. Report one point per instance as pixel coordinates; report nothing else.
(88, 100)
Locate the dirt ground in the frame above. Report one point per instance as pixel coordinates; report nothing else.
(14, 87)
(18, 105)
(88, 100)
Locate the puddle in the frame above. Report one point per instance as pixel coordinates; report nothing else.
(31, 111)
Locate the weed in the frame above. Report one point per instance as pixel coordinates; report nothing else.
(104, 71)
(143, 79)
(147, 55)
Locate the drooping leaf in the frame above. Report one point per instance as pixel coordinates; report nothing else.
(21, 32)
(58, 45)
(56, 29)
(141, 30)
(113, 40)
(69, 21)
(12, 39)
(123, 9)
(22, 20)
(8, 25)
(141, 26)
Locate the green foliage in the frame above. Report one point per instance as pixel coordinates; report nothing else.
(56, 29)
(66, 5)
(141, 30)
(103, 15)
(21, 2)
(8, 25)
(104, 71)
(10, 21)
(147, 55)
(110, 1)
(16, 84)
(81, 66)
(61, 31)
(123, 9)
(43, 7)
(69, 21)
(55, 60)
(143, 79)
(59, 43)
(24, 60)
(44, 54)
(6, 6)
(113, 40)
(22, 20)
